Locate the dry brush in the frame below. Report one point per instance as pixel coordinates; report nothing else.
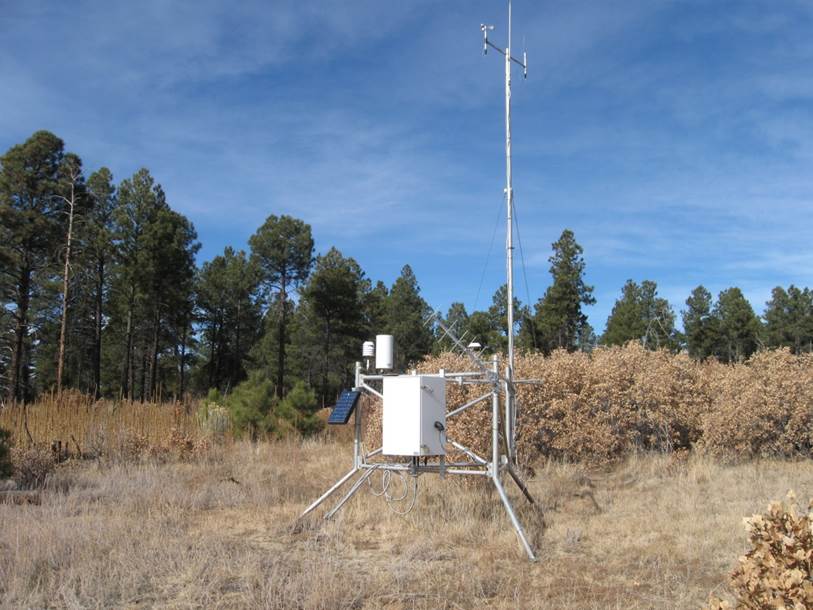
(618, 401)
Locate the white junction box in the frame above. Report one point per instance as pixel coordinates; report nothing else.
(414, 418)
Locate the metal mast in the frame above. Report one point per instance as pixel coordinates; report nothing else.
(493, 466)
(510, 412)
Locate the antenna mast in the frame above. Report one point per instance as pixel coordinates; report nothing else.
(510, 409)
(408, 401)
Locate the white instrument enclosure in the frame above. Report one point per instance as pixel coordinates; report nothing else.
(414, 418)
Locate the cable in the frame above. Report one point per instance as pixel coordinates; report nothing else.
(390, 498)
(385, 483)
(488, 257)
(412, 502)
(386, 480)
(524, 274)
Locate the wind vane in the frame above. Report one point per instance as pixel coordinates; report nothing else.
(510, 404)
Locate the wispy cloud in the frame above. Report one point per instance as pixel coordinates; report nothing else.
(674, 138)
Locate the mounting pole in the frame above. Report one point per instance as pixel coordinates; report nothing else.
(510, 407)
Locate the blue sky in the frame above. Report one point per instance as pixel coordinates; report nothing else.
(674, 138)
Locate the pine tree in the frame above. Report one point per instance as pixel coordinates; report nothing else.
(250, 406)
(498, 314)
(640, 315)
(406, 317)
(299, 407)
(458, 320)
(100, 252)
(31, 223)
(171, 246)
(699, 326)
(140, 201)
(789, 319)
(154, 282)
(559, 320)
(282, 249)
(72, 194)
(626, 322)
(230, 316)
(331, 325)
(375, 309)
(738, 327)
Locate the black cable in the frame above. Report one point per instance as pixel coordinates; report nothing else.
(488, 257)
(524, 276)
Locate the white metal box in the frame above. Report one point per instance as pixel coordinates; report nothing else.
(414, 420)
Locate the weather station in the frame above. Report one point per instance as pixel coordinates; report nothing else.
(414, 406)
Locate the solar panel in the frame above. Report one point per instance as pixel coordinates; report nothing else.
(343, 408)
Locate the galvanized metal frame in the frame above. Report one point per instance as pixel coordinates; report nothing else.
(479, 466)
(486, 375)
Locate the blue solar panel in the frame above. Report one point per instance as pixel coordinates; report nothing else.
(344, 407)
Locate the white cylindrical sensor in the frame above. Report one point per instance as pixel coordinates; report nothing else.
(383, 351)
(368, 349)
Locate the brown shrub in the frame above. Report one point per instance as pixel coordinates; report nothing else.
(596, 408)
(616, 401)
(778, 570)
(762, 408)
(32, 465)
(603, 406)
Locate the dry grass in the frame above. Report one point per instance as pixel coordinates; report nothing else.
(175, 521)
(654, 531)
(104, 427)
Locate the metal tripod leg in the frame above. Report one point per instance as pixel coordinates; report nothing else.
(329, 492)
(351, 493)
(494, 466)
(510, 510)
(520, 484)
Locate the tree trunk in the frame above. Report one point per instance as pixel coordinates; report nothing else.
(217, 350)
(212, 349)
(182, 368)
(97, 339)
(19, 377)
(143, 374)
(327, 360)
(60, 367)
(156, 327)
(127, 366)
(281, 347)
(176, 351)
(235, 369)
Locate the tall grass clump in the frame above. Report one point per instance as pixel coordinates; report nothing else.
(213, 418)
(598, 408)
(83, 425)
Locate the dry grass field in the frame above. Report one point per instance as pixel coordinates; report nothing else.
(218, 530)
(645, 465)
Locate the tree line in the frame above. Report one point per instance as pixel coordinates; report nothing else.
(100, 291)
(727, 329)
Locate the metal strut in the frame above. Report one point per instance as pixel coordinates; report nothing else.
(484, 374)
(495, 468)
